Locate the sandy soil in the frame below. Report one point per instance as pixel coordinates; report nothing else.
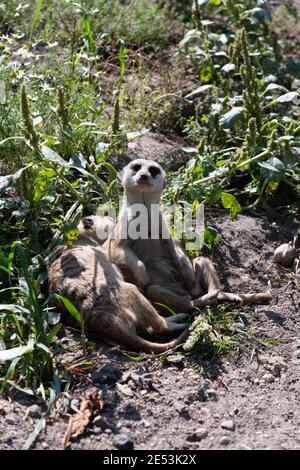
(249, 402)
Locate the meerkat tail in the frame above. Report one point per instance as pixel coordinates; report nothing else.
(256, 298)
(137, 343)
(244, 299)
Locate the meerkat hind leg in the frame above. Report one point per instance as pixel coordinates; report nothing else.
(161, 294)
(206, 278)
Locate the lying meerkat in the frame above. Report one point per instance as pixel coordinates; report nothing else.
(160, 267)
(112, 308)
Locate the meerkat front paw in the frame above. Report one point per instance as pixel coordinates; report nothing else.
(142, 276)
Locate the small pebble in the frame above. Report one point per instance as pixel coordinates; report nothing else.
(75, 403)
(228, 424)
(175, 359)
(45, 445)
(10, 420)
(34, 411)
(123, 442)
(243, 446)
(268, 378)
(224, 441)
(125, 390)
(145, 423)
(201, 433)
(97, 430)
(212, 394)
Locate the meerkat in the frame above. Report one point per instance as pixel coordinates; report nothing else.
(112, 309)
(160, 267)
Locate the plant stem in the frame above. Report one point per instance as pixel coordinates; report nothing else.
(235, 167)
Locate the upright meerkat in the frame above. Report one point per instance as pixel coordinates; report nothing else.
(112, 308)
(159, 267)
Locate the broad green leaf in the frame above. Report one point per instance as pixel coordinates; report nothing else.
(52, 156)
(190, 35)
(228, 68)
(198, 91)
(260, 13)
(9, 181)
(230, 202)
(287, 97)
(230, 118)
(275, 86)
(211, 236)
(273, 169)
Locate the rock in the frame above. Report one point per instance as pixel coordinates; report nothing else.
(228, 424)
(45, 445)
(145, 423)
(97, 430)
(180, 408)
(125, 390)
(123, 442)
(34, 411)
(211, 394)
(197, 435)
(224, 441)
(75, 403)
(243, 446)
(103, 423)
(10, 420)
(108, 374)
(268, 378)
(174, 359)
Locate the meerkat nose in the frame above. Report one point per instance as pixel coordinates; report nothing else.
(143, 177)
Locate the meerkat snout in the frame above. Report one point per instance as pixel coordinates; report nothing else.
(146, 174)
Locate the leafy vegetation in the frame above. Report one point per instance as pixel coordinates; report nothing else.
(77, 86)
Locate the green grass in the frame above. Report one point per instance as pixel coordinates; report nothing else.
(79, 79)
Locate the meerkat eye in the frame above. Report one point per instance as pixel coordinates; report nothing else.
(154, 171)
(87, 222)
(136, 167)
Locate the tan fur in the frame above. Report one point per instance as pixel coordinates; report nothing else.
(112, 308)
(160, 267)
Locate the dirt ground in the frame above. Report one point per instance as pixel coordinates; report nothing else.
(251, 401)
(185, 402)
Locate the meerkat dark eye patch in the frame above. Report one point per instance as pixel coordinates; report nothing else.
(136, 167)
(154, 171)
(87, 222)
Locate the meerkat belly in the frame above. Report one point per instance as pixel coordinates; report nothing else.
(159, 264)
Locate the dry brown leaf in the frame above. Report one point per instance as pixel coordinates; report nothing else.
(89, 407)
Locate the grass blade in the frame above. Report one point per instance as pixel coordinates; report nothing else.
(35, 19)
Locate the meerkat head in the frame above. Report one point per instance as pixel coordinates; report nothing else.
(144, 176)
(96, 227)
